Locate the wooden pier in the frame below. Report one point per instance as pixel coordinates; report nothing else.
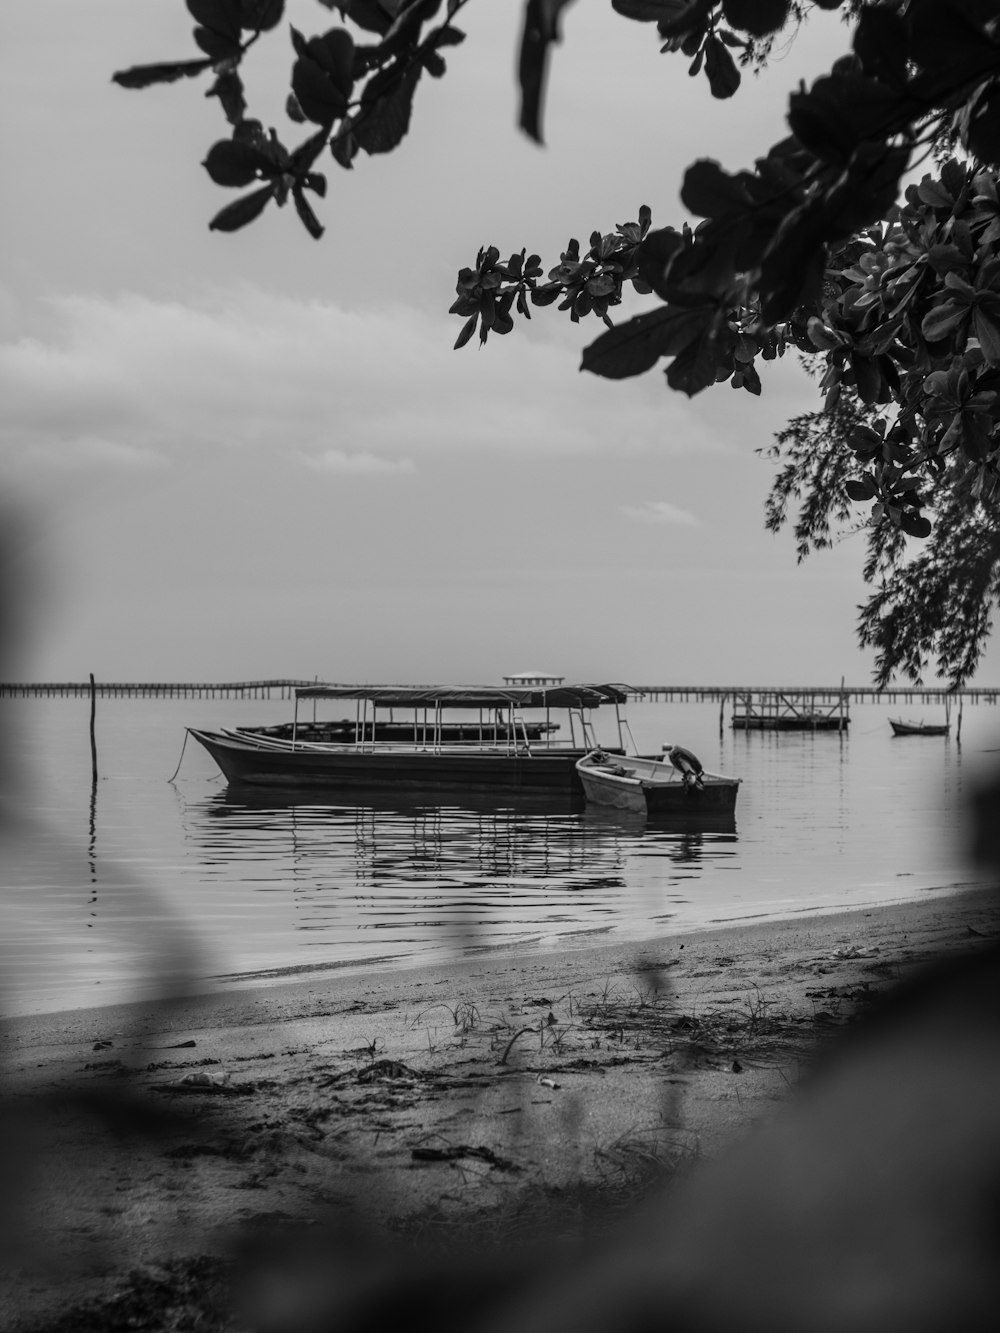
(822, 705)
(859, 694)
(810, 707)
(240, 689)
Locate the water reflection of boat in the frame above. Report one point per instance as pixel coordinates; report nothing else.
(389, 877)
(696, 821)
(556, 839)
(386, 840)
(505, 751)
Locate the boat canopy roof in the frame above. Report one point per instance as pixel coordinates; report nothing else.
(473, 696)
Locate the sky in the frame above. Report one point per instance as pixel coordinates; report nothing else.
(258, 455)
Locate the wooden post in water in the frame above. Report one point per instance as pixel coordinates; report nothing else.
(93, 737)
(958, 729)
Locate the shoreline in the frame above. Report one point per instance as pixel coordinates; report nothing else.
(204, 988)
(446, 1092)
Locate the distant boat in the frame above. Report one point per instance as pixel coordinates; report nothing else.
(900, 728)
(651, 785)
(401, 740)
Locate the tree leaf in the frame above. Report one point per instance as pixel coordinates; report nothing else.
(372, 15)
(404, 31)
(220, 16)
(382, 126)
(723, 75)
(242, 211)
(546, 294)
(318, 93)
(942, 319)
(540, 31)
(334, 53)
(945, 34)
(792, 269)
(710, 192)
(987, 330)
(915, 524)
(344, 145)
(261, 15)
(309, 219)
(751, 380)
(232, 163)
(880, 41)
(679, 17)
(228, 88)
(861, 489)
(649, 11)
(217, 44)
(653, 255)
(982, 138)
(698, 365)
(636, 346)
(308, 151)
(868, 380)
(757, 17)
(468, 329)
(144, 76)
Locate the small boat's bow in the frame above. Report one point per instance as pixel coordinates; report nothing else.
(655, 785)
(609, 780)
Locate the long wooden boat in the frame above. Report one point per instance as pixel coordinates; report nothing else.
(656, 785)
(497, 748)
(350, 730)
(901, 728)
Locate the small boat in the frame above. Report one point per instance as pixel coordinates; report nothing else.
(672, 783)
(901, 728)
(491, 745)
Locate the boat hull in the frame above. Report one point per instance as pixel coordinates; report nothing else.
(651, 787)
(337, 769)
(918, 728)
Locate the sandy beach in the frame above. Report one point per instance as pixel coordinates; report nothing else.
(146, 1146)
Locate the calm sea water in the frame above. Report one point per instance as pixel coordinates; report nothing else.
(150, 879)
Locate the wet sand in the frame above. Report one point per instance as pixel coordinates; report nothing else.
(145, 1135)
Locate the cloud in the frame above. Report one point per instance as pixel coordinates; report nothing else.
(245, 370)
(85, 452)
(335, 460)
(661, 511)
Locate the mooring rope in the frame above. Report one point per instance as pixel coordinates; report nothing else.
(181, 760)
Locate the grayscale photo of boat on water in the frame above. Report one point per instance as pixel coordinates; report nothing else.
(499, 730)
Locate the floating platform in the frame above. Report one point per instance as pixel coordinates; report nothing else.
(791, 710)
(799, 722)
